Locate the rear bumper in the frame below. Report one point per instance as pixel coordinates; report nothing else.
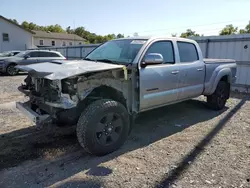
(36, 118)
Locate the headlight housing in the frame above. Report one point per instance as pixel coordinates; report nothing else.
(55, 84)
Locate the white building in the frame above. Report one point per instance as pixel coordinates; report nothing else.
(46, 39)
(13, 36)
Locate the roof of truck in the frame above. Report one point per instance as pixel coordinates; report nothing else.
(157, 37)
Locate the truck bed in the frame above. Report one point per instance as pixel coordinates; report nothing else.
(214, 67)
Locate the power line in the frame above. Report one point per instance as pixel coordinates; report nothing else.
(199, 31)
(187, 26)
(214, 29)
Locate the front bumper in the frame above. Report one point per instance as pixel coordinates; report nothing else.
(36, 118)
(65, 103)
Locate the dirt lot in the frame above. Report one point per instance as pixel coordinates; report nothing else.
(182, 145)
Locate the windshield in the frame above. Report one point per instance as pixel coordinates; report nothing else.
(118, 51)
(20, 54)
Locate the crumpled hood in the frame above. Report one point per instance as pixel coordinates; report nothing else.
(58, 70)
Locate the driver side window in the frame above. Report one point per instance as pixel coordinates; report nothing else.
(165, 48)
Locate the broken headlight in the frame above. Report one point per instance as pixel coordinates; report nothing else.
(55, 84)
(69, 86)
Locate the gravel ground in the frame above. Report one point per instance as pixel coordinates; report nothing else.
(8, 88)
(10, 117)
(182, 145)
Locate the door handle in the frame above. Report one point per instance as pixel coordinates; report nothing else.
(201, 69)
(175, 72)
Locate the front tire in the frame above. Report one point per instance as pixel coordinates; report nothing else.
(11, 70)
(218, 99)
(103, 127)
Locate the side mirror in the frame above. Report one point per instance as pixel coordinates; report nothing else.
(152, 59)
(26, 56)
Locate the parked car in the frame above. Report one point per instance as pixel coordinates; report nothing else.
(7, 64)
(9, 53)
(120, 79)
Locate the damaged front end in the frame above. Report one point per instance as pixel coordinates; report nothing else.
(47, 98)
(50, 92)
(56, 95)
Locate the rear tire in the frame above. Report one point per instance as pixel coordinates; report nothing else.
(11, 70)
(218, 99)
(103, 127)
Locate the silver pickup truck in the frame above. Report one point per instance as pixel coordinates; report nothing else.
(103, 93)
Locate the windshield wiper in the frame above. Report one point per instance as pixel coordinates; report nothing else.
(89, 59)
(106, 60)
(102, 60)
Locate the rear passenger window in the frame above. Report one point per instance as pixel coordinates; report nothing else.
(54, 55)
(44, 54)
(48, 54)
(187, 51)
(165, 48)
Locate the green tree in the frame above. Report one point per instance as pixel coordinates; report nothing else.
(55, 28)
(80, 31)
(247, 28)
(99, 39)
(41, 28)
(189, 33)
(110, 37)
(113, 36)
(25, 25)
(120, 36)
(14, 20)
(91, 38)
(69, 30)
(229, 30)
(32, 26)
(242, 31)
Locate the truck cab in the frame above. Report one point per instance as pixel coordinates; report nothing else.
(179, 76)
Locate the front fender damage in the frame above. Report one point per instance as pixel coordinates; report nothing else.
(86, 85)
(81, 86)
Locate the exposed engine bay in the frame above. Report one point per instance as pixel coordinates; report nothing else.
(55, 97)
(55, 93)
